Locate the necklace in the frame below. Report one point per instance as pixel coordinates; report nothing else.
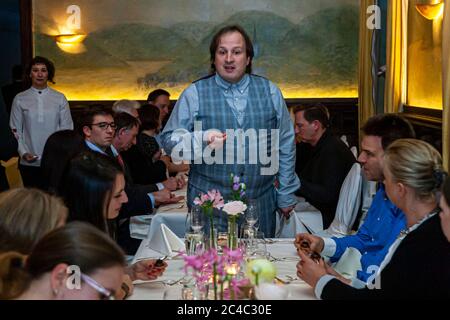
(406, 231)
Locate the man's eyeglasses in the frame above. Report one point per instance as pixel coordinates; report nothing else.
(105, 125)
(105, 294)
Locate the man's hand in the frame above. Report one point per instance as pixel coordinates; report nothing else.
(181, 181)
(286, 212)
(170, 184)
(215, 139)
(309, 270)
(315, 243)
(165, 197)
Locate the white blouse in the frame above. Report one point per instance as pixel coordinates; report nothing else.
(35, 115)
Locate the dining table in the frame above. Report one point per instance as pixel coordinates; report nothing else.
(280, 251)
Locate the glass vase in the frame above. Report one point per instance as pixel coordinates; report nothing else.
(232, 232)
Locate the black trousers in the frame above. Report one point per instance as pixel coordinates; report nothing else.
(31, 176)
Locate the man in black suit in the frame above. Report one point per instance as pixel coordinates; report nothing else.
(10, 90)
(323, 161)
(8, 147)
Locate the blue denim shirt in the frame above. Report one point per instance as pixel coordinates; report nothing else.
(383, 224)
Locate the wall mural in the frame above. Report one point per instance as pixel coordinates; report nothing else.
(114, 49)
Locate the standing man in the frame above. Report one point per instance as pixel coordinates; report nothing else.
(225, 109)
(8, 147)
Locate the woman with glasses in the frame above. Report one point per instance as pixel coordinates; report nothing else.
(36, 114)
(418, 262)
(76, 261)
(93, 190)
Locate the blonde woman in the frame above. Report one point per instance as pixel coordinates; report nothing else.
(26, 215)
(418, 262)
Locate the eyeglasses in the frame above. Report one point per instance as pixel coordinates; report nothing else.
(105, 294)
(105, 125)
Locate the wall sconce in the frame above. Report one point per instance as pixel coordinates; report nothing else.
(71, 42)
(70, 38)
(431, 11)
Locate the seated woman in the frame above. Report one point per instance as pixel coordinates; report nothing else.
(27, 215)
(150, 145)
(44, 274)
(418, 262)
(93, 190)
(143, 160)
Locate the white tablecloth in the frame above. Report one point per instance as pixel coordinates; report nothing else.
(282, 250)
(172, 215)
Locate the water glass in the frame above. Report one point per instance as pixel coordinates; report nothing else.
(194, 242)
(196, 218)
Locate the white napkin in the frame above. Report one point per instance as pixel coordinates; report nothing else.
(349, 263)
(166, 242)
(270, 291)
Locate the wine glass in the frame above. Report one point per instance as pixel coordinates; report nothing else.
(251, 214)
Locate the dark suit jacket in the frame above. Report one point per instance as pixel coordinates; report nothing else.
(8, 147)
(419, 269)
(143, 170)
(322, 170)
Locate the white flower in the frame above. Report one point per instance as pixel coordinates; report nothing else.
(234, 207)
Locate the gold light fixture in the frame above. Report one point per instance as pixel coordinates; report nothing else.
(431, 11)
(70, 38)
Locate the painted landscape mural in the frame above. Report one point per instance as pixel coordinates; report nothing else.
(132, 47)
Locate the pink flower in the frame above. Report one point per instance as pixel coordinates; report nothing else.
(235, 255)
(234, 207)
(195, 262)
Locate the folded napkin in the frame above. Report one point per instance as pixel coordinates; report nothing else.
(349, 263)
(166, 242)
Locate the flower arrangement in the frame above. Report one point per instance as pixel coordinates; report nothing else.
(209, 201)
(222, 271)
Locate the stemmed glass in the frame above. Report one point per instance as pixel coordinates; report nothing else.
(196, 219)
(251, 214)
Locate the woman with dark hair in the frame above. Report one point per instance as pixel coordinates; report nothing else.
(59, 149)
(36, 114)
(45, 273)
(418, 262)
(93, 190)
